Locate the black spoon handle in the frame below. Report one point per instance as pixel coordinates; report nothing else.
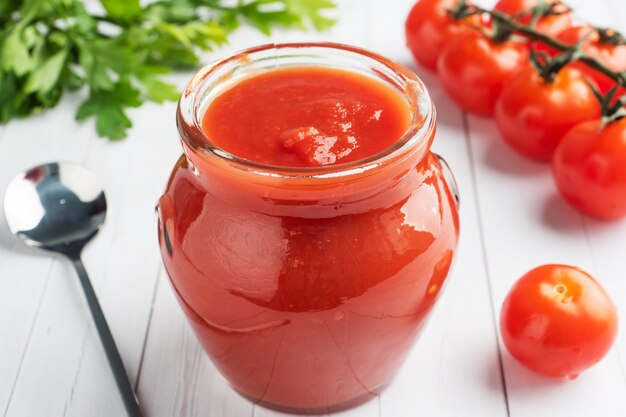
(115, 360)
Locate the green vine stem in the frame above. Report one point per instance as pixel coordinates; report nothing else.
(612, 110)
(464, 10)
(610, 36)
(548, 67)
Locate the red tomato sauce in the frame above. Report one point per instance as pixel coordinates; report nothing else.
(306, 116)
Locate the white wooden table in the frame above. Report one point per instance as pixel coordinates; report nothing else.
(51, 362)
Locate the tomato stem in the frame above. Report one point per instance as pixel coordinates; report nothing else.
(610, 36)
(612, 110)
(549, 67)
(464, 10)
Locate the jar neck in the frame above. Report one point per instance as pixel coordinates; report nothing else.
(379, 187)
(265, 187)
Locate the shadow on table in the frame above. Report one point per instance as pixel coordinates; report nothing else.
(559, 216)
(493, 375)
(498, 156)
(501, 158)
(522, 380)
(517, 378)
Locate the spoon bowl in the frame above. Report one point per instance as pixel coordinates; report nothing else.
(57, 206)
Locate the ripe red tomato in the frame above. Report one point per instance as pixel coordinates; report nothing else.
(550, 25)
(429, 27)
(473, 69)
(589, 168)
(558, 321)
(533, 115)
(613, 56)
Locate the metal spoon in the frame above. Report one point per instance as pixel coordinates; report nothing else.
(59, 207)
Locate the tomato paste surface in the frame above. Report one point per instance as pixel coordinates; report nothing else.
(306, 116)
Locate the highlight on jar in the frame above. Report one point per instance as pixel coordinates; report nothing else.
(307, 229)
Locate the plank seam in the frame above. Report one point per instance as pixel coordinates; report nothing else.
(6, 255)
(612, 12)
(148, 326)
(68, 403)
(466, 131)
(30, 334)
(596, 270)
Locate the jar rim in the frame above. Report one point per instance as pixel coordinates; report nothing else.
(415, 137)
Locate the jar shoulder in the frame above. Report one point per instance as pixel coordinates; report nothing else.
(307, 263)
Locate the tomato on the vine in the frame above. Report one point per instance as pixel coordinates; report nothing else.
(597, 43)
(589, 168)
(533, 114)
(473, 69)
(558, 321)
(550, 25)
(429, 27)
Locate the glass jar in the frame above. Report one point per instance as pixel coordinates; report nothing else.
(308, 287)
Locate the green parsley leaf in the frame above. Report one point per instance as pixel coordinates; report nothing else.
(154, 88)
(15, 54)
(49, 47)
(8, 96)
(264, 14)
(311, 10)
(108, 107)
(46, 76)
(122, 9)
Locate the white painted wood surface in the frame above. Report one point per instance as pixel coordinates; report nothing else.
(51, 362)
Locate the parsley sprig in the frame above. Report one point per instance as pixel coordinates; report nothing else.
(120, 53)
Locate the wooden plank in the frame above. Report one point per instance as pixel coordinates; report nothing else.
(369, 409)
(455, 368)
(177, 377)
(529, 225)
(123, 262)
(25, 274)
(608, 239)
(545, 230)
(132, 260)
(58, 337)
